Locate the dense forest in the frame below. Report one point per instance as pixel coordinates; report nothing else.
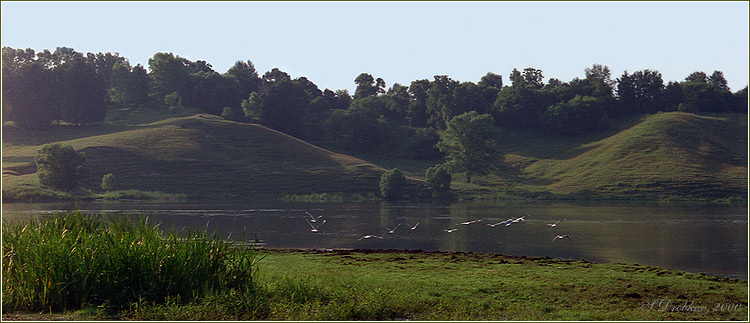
(41, 89)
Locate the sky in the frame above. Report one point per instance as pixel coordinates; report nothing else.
(331, 43)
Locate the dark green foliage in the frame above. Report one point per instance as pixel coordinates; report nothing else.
(740, 101)
(521, 106)
(392, 184)
(441, 103)
(169, 74)
(128, 86)
(28, 95)
(60, 166)
(81, 93)
(642, 92)
(469, 144)
(367, 85)
(69, 261)
(358, 128)
(173, 101)
(576, 116)
(252, 107)
(109, 183)
(247, 76)
(438, 182)
(421, 144)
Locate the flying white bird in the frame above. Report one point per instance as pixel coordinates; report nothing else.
(499, 223)
(471, 222)
(370, 236)
(562, 237)
(450, 230)
(312, 218)
(413, 227)
(552, 225)
(314, 228)
(394, 229)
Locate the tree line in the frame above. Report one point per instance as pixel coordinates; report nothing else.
(44, 88)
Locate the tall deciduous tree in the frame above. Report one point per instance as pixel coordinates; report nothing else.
(392, 184)
(367, 85)
(81, 92)
(60, 166)
(29, 95)
(470, 144)
(169, 74)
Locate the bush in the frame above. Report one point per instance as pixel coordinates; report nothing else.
(108, 182)
(60, 166)
(392, 184)
(438, 182)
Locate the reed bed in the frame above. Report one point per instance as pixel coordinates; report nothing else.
(71, 261)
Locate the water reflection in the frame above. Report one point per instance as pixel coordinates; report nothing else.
(698, 238)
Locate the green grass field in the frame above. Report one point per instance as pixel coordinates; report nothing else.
(663, 156)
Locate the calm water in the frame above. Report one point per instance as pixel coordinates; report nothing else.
(697, 238)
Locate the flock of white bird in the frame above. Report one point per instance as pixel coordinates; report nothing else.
(313, 219)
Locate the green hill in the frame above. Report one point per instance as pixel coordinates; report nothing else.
(206, 156)
(666, 155)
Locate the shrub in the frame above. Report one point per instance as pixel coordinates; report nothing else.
(392, 184)
(108, 182)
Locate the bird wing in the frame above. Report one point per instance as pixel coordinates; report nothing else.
(311, 225)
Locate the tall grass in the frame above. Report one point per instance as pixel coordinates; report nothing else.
(70, 261)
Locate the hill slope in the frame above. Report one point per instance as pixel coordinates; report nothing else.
(207, 156)
(667, 154)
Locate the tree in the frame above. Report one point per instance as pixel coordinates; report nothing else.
(128, 86)
(247, 76)
(698, 76)
(533, 76)
(642, 92)
(392, 184)
(438, 182)
(169, 74)
(81, 96)
(417, 112)
(367, 85)
(469, 144)
(718, 81)
(173, 101)
(59, 166)
(740, 101)
(109, 183)
(29, 97)
(441, 103)
(599, 77)
(492, 80)
(253, 107)
(576, 116)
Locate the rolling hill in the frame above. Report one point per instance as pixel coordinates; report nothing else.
(666, 155)
(207, 156)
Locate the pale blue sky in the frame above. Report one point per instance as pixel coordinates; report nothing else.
(332, 42)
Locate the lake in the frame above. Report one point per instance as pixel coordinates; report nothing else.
(692, 237)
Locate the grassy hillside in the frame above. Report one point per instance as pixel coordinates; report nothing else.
(668, 154)
(205, 156)
(661, 156)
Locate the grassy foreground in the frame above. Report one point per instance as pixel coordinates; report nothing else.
(84, 276)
